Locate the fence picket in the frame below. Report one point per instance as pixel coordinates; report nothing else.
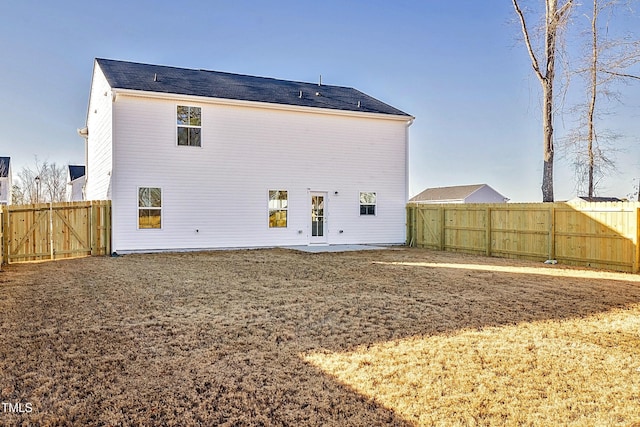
(54, 231)
(601, 235)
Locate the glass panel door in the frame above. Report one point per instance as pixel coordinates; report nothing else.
(318, 218)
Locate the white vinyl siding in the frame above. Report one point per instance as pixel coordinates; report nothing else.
(99, 143)
(215, 196)
(5, 191)
(75, 190)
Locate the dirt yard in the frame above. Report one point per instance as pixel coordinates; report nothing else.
(278, 337)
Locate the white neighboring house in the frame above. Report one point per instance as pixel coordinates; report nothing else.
(196, 159)
(75, 183)
(5, 181)
(479, 193)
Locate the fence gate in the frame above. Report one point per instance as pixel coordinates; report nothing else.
(56, 230)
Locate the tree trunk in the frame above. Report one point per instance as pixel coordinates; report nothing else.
(555, 18)
(592, 101)
(547, 92)
(547, 124)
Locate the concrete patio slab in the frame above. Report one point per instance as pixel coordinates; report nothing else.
(335, 248)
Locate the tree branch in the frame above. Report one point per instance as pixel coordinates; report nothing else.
(527, 41)
(628, 76)
(564, 9)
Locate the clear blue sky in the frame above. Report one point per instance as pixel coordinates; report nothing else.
(458, 67)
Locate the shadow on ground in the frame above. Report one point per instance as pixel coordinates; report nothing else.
(216, 338)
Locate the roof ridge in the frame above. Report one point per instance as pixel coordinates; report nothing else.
(139, 76)
(230, 73)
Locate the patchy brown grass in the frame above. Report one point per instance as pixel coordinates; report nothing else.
(276, 337)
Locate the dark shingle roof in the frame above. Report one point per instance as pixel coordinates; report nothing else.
(75, 172)
(215, 84)
(4, 166)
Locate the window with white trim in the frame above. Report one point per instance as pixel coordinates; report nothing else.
(189, 126)
(278, 208)
(149, 207)
(367, 203)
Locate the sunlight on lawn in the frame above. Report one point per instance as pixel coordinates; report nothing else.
(545, 271)
(576, 372)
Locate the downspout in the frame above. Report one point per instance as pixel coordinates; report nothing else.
(406, 172)
(406, 159)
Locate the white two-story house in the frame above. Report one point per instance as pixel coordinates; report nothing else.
(197, 159)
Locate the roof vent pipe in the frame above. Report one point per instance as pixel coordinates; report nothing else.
(155, 77)
(358, 104)
(320, 82)
(300, 94)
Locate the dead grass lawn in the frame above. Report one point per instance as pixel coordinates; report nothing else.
(277, 337)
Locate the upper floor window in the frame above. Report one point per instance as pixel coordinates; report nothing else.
(367, 203)
(189, 126)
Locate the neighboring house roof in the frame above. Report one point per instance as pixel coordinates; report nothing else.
(216, 84)
(4, 166)
(599, 199)
(459, 192)
(75, 172)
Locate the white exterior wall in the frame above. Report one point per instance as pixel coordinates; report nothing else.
(99, 141)
(438, 202)
(485, 194)
(5, 188)
(74, 190)
(217, 195)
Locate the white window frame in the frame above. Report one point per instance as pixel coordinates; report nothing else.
(374, 204)
(187, 126)
(270, 209)
(160, 208)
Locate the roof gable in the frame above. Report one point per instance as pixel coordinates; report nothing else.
(215, 84)
(459, 192)
(75, 172)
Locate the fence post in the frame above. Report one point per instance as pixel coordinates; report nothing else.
(93, 224)
(411, 223)
(636, 258)
(51, 230)
(1, 236)
(442, 229)
(107, 215)
(417, 229)
(552, 231)
(6, 243)
(488, 231)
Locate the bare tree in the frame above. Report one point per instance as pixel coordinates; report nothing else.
(18, 197)
(607, 63)
(46, 183)
(555, 18)
(635, 192)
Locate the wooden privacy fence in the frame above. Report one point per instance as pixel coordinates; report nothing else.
(601, 235)
(48, 231)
